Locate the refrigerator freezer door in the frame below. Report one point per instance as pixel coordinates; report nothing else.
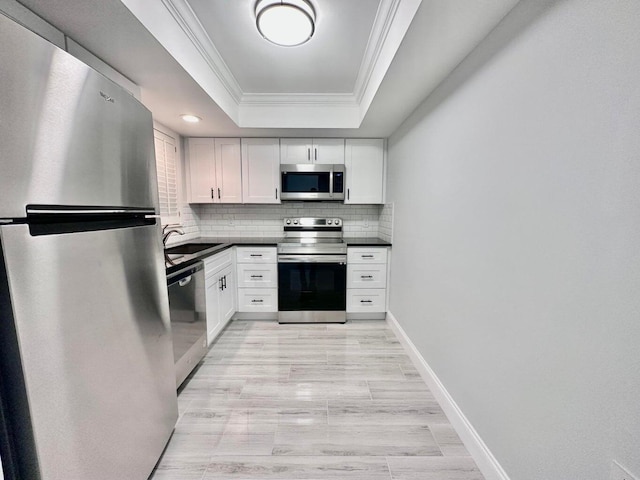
(68, 135)
(91, 319)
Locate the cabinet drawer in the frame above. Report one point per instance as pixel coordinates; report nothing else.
(257, 299)
(366, 276)
(216, 262)
(366, 255)
(256, 254)
(366, 300)
(257, 276)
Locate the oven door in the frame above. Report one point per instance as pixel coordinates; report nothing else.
(312, 288)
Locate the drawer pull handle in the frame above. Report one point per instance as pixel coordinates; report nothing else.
(256, 276)
(366, 301)
(364, 277)
(255, 255)
(367, 256)
(257, 301)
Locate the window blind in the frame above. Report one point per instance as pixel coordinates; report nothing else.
(167, 170)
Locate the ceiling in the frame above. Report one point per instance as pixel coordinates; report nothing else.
(328, 63)
(209, 60)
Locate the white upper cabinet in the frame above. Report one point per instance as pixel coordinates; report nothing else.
(228, 170)
(364, 171)
(260, 170)
(308, 150)
(201, 165)
(215, 170)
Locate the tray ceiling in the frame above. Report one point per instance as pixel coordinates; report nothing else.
(441, 35)
(328, 82)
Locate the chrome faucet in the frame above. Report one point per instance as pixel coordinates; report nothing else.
(167, 233)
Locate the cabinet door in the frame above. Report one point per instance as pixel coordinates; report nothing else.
(213, 286)
(228, 171)
(226, 306)
(260, 170)
(364, 163)
(202, 164)
(295, 150)
(328, 151)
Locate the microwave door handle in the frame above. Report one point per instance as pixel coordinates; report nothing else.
(331, 182)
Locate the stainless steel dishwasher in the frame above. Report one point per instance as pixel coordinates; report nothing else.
(188, 318)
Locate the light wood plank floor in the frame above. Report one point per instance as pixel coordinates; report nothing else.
(293, 402)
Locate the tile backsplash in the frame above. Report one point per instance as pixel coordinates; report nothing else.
(266, 220)
(385, 223)
(230, 220)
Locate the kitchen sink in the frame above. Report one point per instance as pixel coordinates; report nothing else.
(189, 248)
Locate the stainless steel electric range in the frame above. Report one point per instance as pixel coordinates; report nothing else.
(312, 271)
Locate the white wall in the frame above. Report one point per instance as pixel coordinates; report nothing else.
(516, 257)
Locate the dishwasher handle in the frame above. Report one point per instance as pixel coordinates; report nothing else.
(183, 276)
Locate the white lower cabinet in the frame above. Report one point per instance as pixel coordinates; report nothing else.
(255, 300)
(220, 286)
(257, 273)
(366, 276)
(366, 300)
(367, 280)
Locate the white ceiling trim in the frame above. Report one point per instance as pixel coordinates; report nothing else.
(299, 99)
(186, 18)
(160, 22)
(390, 26)
(194, 50)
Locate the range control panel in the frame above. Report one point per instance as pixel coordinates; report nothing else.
(313, 222)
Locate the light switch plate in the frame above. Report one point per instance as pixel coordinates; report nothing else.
(620, 473)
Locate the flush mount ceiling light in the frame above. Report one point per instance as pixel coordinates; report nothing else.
(287, 23)
(190, 118)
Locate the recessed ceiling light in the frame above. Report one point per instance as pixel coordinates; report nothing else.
(285, 22)
(190, 118)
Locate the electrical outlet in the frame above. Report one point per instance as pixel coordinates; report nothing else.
(365, 223)
(620, 473)
(231, 222)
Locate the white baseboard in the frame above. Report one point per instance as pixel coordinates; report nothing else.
(483, 457)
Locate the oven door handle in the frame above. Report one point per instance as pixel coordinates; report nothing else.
(341, 259)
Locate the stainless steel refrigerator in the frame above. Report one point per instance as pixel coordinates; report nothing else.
(86, 364)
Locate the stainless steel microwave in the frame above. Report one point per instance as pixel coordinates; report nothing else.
(312, 182)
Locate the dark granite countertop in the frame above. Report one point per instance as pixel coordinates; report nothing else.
(254, 242)
(176, 262)
(366, 242)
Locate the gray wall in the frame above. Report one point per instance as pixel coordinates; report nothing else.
(520, 283)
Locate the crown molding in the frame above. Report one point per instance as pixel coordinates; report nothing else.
(180, 32)
(335, 99)
(389, 28)
(381, 25)
(186, 18)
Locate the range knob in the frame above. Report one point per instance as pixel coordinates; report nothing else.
(337, 221)
(288, 221)
(329, 222)
(295, 222)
